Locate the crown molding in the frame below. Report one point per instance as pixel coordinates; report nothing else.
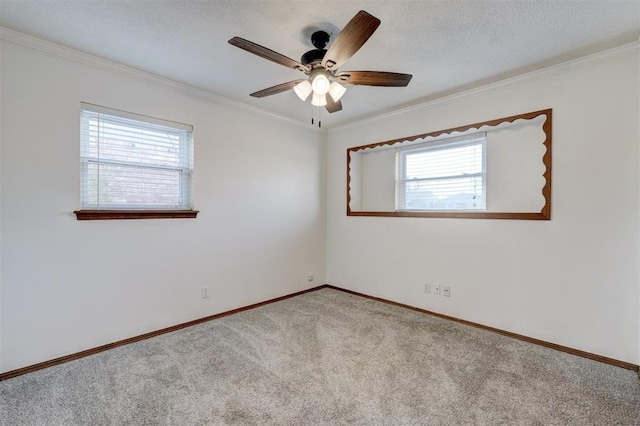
(125, 70)
(564, 67)
(108, 65)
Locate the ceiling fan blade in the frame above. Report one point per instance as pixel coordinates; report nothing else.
(333, 106)
(350, 39)
(276, 89)
(374, 78)
(268, 54)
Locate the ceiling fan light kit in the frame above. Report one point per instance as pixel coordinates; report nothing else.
(321, 65)
(319, 99)
(320, 83)
(303, 90)
(337, 90)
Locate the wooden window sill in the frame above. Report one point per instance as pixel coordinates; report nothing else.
(134, 214)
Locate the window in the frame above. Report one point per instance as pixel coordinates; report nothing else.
(134, 162)
(443, 175)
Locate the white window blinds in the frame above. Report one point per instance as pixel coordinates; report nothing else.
(447, 175)
(132, 162)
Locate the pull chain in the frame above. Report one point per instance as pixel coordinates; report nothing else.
(319, 117)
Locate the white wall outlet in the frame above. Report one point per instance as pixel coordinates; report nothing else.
(204, 292)
(436, 288)
(427, 288)
(310, 276)
(446, 291)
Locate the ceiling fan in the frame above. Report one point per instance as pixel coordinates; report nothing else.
(324, 82)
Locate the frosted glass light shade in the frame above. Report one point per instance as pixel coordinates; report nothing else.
(320, 84)
(303, 90)
(336, 90)
(319, 99)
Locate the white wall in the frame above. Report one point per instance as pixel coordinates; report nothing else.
(1, 261)
(69, 285)
(572, 280)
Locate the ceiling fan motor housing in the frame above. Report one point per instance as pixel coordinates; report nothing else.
(313, 57)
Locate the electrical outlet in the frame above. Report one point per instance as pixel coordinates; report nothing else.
(446, 291)
(204, 292)
(310, 276)
(427, 288)
(436, 288)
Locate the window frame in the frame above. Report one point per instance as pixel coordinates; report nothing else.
(184, 209)
(440, 145)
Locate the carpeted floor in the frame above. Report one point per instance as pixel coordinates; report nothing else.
(326, 358)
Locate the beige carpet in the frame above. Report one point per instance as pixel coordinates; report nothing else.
(326, 358)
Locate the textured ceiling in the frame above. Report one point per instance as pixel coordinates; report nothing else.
(448, 45)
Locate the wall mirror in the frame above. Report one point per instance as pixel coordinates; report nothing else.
(498, 169)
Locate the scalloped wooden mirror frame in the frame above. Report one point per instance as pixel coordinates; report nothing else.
(543, 214)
